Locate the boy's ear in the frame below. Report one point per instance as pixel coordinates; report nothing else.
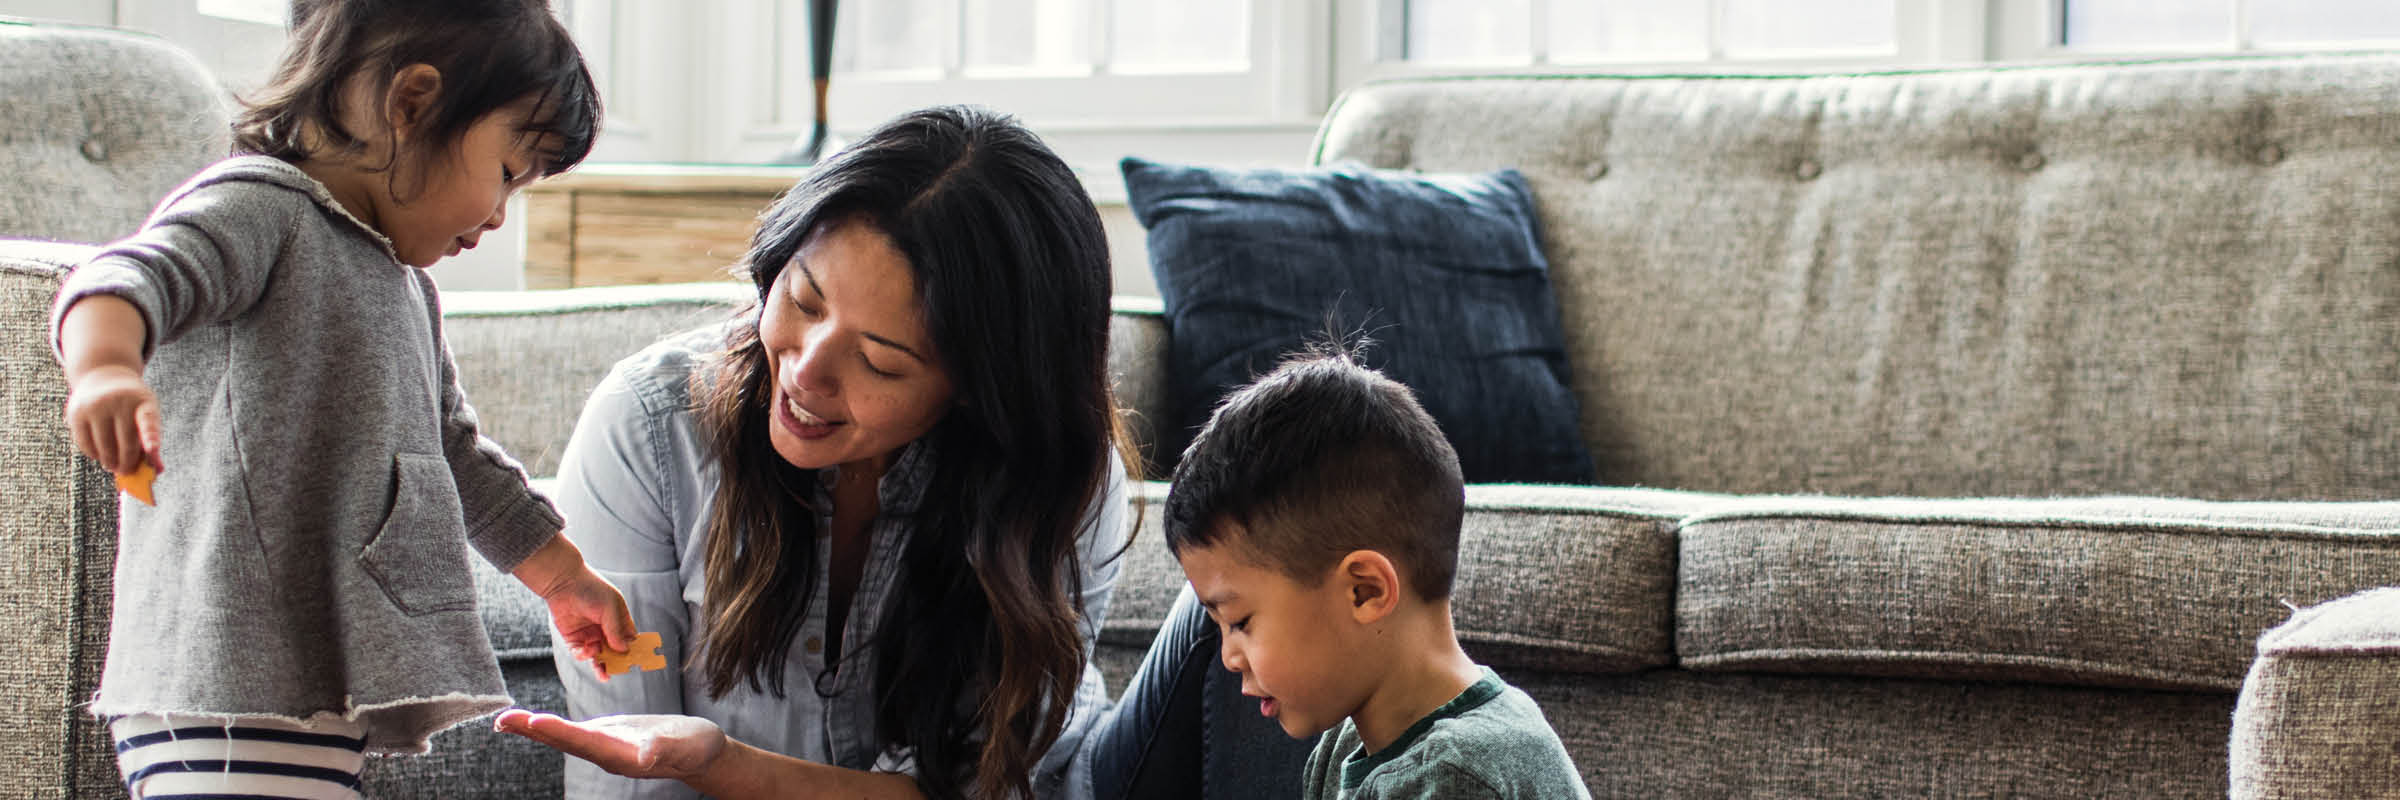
(1372, 583)
(409, 101)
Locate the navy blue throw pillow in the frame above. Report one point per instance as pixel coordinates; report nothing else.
(1444, 272)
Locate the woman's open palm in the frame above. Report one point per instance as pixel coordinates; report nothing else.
(632, 745)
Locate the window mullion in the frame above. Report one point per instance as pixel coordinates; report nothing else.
(1104, 36)
(1716, 30)
(1537, 28)
(954, 46)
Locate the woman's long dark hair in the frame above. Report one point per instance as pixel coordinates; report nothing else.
(1012, 278)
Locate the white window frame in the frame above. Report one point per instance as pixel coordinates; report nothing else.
(727, 80)
(637, 52)
(1285, 83)
(1927, 32)
(2026, 30)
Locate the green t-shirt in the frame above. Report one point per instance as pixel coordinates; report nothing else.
(1490, 741)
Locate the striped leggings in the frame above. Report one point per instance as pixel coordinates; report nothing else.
(180, 757)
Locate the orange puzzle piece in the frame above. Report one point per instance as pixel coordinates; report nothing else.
(137, 483)
(641, 653)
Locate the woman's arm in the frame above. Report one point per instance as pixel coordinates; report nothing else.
(696, 752)
(612, 490)
(1060, 772)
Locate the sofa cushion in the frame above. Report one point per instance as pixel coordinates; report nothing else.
(2173, 278)
(101, 123)
(1567, 579)
(1446, 272)
(527, 360)
(2130, 592)
(2317, 715)
(1674, 734)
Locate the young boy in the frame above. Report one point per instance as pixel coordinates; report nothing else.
(1317, 517)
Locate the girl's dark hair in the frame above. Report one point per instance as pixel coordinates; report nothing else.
(1012, 279)
(490, 53)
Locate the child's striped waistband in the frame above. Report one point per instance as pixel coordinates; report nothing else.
(182, 756)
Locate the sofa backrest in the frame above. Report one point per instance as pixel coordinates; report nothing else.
(2176, 278)
(100, 124)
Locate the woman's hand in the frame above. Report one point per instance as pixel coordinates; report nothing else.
(632, 745)
(590, 614)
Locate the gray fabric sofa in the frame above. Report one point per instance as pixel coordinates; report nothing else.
(1965, 430)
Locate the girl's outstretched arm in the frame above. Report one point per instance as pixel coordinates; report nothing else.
(112, 414)
(698, 753)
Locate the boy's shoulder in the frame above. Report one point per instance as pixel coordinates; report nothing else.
(1500, 746)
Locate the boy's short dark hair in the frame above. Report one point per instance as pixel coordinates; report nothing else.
(1317, 459)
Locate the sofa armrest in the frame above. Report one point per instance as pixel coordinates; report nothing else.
(57, 546)
(1137, 365)
(2320, 710)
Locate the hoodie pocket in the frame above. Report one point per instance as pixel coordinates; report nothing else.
(419, 556)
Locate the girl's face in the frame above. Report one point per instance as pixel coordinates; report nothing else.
(855, 374)
(466, 194)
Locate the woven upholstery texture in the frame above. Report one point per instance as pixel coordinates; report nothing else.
(101, 123)
(2134, 592)
(2318, 715)
(2170, 279)
(1683, 734)
(527, 360)
(54, 578)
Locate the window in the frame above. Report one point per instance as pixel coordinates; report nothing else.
(2088, 28)
(1079, 62)
(1245, 81)
(2226, 24)
(1393, 38)
(1514, 32)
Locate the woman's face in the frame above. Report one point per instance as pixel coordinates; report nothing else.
(854, 371)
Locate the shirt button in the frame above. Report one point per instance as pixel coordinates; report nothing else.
(814, 645)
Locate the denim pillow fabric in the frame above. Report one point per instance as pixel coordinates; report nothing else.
(1444, 272)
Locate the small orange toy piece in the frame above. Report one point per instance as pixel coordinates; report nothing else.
(641, 653)
(137, 483)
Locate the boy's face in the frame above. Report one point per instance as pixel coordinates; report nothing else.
(1289, 641)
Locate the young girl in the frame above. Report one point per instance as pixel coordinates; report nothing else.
(299, 594)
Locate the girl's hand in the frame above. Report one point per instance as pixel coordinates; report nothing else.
(589, 613)
(632, 745)
(111, 413)
(114, 418)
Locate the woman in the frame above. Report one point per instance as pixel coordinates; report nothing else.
(875, 518)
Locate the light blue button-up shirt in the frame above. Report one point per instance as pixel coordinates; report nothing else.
(635, 484)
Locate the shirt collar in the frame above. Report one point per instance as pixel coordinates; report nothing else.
(901, 489)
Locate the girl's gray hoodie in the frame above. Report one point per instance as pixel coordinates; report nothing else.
(324, 477)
